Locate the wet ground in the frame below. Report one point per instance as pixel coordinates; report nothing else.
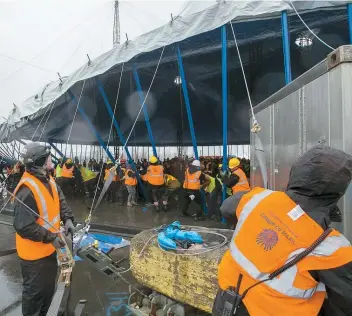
(104, 296)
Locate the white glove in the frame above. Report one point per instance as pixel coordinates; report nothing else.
(192, 197)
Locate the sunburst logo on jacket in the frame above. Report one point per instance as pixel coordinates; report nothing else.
(267, 239)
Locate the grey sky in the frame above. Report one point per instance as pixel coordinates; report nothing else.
(39, 38)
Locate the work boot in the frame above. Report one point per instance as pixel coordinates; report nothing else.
(165, 208)
(120, 202)
(129, 204)
(134, 202)
(157, 208)
(185, 215)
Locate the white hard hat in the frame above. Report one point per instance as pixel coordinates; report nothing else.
(195, 163)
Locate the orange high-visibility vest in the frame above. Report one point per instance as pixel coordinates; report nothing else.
(155, 175)
(271, 230)
(49, 208)
(107, 175)
(192, 180)
(242, 184)
(129, 180)
(66, 172)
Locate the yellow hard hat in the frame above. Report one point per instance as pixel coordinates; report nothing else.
(233, 163)
(220, 166)
(109, 162)
(153, 159)
(69, 160)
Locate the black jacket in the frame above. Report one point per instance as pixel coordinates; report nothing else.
(317, 181)
(24, 221)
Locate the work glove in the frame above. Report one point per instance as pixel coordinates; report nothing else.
(192, 197)
(69, 227)
(58, 242)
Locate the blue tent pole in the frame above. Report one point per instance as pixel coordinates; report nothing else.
(145, 111)
(286, 47)
(188, 105)
(95, 132)
(349, 10)
(57, 149)
(224, 101)
(189, 115)
(119, 133)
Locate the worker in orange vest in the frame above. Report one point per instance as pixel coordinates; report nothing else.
(131, 184)
(283, 258)
(36, 241)
(236, 179)
(68, 179)
(195, 180)
(155, 179)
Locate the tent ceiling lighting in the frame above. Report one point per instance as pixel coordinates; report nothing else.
(177, 80)
(303, 41)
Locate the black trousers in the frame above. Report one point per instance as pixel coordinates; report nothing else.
(187, 201)
(158, 191)
(39, 281)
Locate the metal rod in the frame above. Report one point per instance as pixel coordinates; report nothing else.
(349, 13)
(145, 111)
(57, 149)
(187, 102)
(224, 101)
(119, 132)
(286, 47)
(86, 118)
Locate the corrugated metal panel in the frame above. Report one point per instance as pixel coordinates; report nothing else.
(346, 98)
(286, 136)
(265, 120)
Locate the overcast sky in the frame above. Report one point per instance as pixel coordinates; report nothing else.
(39, 38)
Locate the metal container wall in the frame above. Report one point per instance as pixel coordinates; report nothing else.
(315, 108)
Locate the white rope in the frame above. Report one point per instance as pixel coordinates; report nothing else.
(74, 117)
(316, 36)
(244, 76)
(134, 124)
(47, 119)
(108, 142)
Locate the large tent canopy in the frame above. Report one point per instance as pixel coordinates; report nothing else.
(196, 31)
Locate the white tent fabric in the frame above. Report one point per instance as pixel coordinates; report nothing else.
(40, 38)
(194, 18)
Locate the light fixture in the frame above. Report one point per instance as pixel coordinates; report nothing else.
(177, 80)
(303, 41)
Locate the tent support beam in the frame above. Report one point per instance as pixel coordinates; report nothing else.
(187, 103)
(145, 111)
(57, 149)
(224, 101)
(286, 47)
(349, 10)
(95, 132)
(119, 133)
(189, 115)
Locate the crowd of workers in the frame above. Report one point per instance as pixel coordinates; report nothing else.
(159, 183)
(283, 259)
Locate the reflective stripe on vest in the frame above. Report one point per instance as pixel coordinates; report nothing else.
(129, 180)
(192, 181)
(242, 184)
(285, 283)
(48, 206)
(42, 201)
(155, 175)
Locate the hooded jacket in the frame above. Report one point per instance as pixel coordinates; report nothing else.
(24, 221)
(317, 181)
